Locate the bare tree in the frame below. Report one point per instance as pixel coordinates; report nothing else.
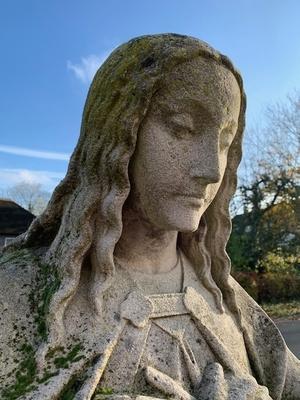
(270, 177)
(285, 120)
(31, 196)
(272, 154)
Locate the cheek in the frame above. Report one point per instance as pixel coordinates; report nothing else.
(151, 179)
(161, 170)
(213, 188)
(211, 192)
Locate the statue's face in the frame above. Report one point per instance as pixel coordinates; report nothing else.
(182, 147)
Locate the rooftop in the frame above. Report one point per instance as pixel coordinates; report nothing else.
(14, 219)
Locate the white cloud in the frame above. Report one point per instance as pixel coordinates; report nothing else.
(11, 176)
(20, 151)
(87, 67)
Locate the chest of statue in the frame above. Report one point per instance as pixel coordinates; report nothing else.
(167, 340)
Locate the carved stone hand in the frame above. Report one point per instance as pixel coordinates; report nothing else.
(213, 386)
(216, 386)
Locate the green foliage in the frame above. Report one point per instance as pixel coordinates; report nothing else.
(282, 309)
(270, 286)
(237, 249)
(269, 191)
(280, 263)
(249, 281)
(275, 287)
(280, 280)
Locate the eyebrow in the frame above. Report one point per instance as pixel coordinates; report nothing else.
(194, 103)
(231, 124)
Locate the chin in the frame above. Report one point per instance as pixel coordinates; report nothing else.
(188, 228)
(182, 221)
(189, 220)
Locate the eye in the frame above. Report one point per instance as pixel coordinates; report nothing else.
(182, 132)
(226, 138)
(182, 125)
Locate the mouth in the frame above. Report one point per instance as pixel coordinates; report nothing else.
(192, 200)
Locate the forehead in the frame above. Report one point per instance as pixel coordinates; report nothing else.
(201, 85)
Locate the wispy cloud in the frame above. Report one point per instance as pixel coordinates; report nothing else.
(20, 151)
(87, 67)
(11, 176)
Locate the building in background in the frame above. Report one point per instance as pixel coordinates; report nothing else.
(14, 220)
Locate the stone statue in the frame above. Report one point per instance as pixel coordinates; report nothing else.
(121, 289)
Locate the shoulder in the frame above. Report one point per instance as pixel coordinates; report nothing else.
(17, 275)
(248, 306)
(16, 269)
(260, 327)
(17, 325)
(278, 367)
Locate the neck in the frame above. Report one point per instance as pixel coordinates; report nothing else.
(143, 247)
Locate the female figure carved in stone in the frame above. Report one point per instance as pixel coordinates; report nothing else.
(122, 287)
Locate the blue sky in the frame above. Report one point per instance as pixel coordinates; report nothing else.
(50, 50)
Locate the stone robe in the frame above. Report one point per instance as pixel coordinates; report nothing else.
(175, 335)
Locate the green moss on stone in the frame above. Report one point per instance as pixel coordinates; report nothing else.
(47, 283)
(10, 257)
(51, 353)
(25, 375)
(71, 357)
(47, 375)
(71, 388)
(103, 390)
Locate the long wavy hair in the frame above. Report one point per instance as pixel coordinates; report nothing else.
(84, 215)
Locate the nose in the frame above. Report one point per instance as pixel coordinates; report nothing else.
(206, 162)
(209, 175)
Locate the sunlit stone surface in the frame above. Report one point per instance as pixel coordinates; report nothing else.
(121, 289)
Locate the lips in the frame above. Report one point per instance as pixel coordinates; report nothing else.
(194, 200)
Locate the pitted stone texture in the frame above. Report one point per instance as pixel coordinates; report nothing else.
(121, 288)
(137, 309)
